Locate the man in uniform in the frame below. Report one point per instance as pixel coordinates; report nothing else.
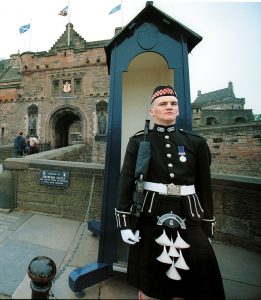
(170, 256)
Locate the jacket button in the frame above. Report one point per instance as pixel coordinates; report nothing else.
(166, 137)
(172, 175)
(170, 165)
(168, 145)
(169, 155)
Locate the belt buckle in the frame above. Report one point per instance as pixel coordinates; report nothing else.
(173, 189)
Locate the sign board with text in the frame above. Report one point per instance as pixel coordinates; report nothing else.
(54, 178)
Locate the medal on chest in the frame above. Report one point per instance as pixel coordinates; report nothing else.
(182, 154)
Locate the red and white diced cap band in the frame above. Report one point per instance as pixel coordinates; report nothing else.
(163, 91)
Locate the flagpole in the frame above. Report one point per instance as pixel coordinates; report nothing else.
(25, 49)
(20, 62)
(121, 14)
(69, 23)
(30, 36)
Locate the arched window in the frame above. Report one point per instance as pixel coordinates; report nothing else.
(240, 120)
(211, 121)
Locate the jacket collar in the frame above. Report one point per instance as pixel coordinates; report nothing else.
(164, 129)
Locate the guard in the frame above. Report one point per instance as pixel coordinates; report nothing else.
(170, 229)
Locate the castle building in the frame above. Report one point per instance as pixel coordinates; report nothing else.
(59, 96)
(219, 108)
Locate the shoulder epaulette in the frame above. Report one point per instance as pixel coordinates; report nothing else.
(139, 133)
(190, 132)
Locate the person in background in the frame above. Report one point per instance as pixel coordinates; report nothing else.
(19, 145)
(171, 256)
(33, 146)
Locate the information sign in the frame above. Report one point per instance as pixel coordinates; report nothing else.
(54, 178)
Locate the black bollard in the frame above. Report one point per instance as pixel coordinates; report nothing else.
(41, 270)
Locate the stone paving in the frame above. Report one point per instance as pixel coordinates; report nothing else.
(10, 222)
(25, 235)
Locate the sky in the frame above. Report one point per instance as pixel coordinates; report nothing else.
(230, 49)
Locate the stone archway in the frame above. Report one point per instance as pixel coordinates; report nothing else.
(240, 120)
(65, 125)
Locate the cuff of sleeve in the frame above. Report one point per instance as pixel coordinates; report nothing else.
(208, 226)
(123, 219)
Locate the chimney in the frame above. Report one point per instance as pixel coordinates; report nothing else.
(199, 93)
(149, 3)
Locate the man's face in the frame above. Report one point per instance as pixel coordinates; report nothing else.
(165, 110)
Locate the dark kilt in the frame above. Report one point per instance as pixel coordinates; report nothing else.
(202, 281)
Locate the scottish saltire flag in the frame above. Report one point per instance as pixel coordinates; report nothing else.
(64, 12)
(115, 9)
(24, 28)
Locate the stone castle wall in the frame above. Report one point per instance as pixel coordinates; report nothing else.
(220, 117)
(235, 149)
(27, 193)
(236, 198)
(237, 210)
(38, 72)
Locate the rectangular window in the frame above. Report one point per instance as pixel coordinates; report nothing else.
(77, 86)
(56, 85)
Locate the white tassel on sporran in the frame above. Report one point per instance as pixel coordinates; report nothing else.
(164, 258)
(172, 250)
(180, 243)
(181, 263)
(172, 272)
(163, 239)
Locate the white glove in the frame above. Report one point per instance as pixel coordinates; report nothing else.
(129, 237)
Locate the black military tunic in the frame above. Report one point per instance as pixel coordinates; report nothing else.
(181, 158)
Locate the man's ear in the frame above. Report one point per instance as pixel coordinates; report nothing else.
(151, 112)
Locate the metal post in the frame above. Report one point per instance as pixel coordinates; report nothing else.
(41, 271)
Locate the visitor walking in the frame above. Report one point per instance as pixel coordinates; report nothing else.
(19, 145)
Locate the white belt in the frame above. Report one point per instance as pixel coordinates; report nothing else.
(169, 189)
